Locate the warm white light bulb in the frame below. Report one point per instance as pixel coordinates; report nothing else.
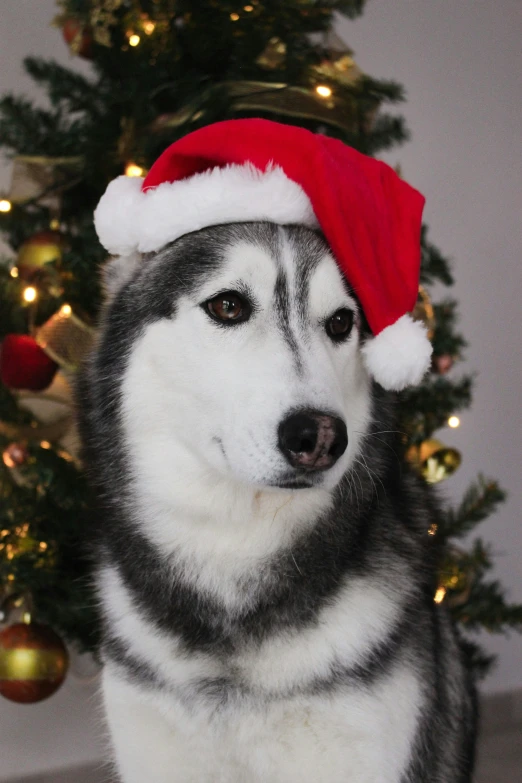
(133, 170)
(66, 309)
(5, 205)
(134, 39)
(454, 421)
(439, 595)
(30, 293)
(323, 90)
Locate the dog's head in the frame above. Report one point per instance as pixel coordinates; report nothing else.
(242, 357)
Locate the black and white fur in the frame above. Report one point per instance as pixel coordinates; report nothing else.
(257, 633)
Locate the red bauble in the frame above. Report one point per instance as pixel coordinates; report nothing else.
(33, 662)
(78, 36)
(24, 365)
(442, 364)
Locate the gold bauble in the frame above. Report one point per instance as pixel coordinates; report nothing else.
(457, 575)
(434, 461)
(273, 55)
(423, 311)
(33, 662)
(40, 249)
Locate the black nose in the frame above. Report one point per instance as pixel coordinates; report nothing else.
(312, 440)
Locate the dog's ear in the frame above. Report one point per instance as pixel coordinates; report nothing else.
(116, 272)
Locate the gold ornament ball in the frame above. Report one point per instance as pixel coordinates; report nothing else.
(33, 662)
(434, 461)
(38, 250)
(423, 311)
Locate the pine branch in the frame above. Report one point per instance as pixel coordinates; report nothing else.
(387, 132)
(424, 409)
(434, 266)
(29, 130)
(480, 501)
(66, 89)
(487, 608)
(445, 340)
(350, 8)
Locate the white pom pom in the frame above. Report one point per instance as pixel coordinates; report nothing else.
(400, 355)
(116, 217)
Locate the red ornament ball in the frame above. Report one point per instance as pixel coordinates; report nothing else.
(24, 365)
(442, 364)
(15, 454)
(78, 36)
(33, 662)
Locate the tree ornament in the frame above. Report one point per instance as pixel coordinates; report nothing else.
(15, 454)
(442, 364)
(78, 36)
(423, 311)
(42, 248)
(338, 65)
(65, 338)
(268, 98)
(273, 55)
(33, 662)
(434, 461)
(24, 365)
(43, 178)
(457, 576)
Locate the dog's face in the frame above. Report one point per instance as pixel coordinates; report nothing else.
(247, 360)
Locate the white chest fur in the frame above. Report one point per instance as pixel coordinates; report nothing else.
(352, 735)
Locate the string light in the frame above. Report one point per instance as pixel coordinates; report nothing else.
(14, 271)
(149, 26)
(66, 309)
(323, 90)
(5, 205)
(234, 17)
(432, 530)
(54, 225)
(133, 170)
(134, 39)
(248, 8)
(44, 444)
(454, 421)
(439, 595)
(30, 293)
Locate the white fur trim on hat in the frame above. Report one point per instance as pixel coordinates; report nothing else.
(400, 355)
(129, 219)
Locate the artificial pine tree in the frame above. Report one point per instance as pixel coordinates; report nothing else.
(160, 69)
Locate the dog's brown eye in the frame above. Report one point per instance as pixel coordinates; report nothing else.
(228, 308)
(339, 326)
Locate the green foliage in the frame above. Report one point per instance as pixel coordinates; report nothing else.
(480, 501)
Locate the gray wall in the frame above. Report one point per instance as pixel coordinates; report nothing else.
(458, 60)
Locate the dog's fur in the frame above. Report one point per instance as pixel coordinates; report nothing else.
(255, 632)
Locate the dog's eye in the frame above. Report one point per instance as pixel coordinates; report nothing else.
(228, 308)
(339, 325)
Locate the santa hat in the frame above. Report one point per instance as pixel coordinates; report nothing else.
(252, 169)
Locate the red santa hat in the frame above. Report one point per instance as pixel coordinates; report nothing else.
(252, 169)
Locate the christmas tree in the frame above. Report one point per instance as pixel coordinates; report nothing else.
(160, 69)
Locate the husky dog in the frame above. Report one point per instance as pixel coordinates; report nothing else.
(264, 565)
